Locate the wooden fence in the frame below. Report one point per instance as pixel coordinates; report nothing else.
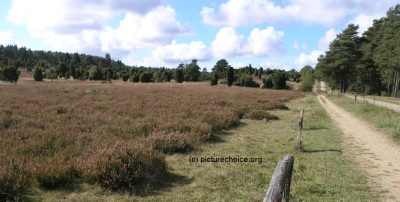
(279, 187)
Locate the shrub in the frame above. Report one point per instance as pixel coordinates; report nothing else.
(279, 80)
(135, 77)
(260, 115)
(268, 83)
(146, 77)
(179, 76)
(167, 142)
(38, 74)
(246, 81)
(56, 173)
(230, 76)
(9, 74)
(7, 122)
(125, 77)
(14, 178)
(214, 80)
(275, 105)
(128, 167)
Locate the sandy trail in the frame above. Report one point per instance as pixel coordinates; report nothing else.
(322, 86)
(378, 156)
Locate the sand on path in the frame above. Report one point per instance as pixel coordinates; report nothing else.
(378, 156)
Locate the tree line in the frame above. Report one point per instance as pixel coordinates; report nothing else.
(369, 63)
(57, 65)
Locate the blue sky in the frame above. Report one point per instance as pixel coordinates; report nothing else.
(283, 34)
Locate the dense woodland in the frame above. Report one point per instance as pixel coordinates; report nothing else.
(369, 63)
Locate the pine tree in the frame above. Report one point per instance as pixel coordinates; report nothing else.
(339, 62)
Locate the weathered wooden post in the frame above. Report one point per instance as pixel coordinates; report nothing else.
(299, 145)
(279, 187)
(355, 97)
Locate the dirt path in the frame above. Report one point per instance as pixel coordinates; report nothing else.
(378, 156)
(322, 86)
(391, 106)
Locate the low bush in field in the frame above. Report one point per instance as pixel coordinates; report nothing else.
(260, 115)
(53, 139)
(276, 105)
(129, 167)
(56, 174)
(167, 142)
(15, 178)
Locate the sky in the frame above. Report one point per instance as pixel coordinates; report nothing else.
(281, 34)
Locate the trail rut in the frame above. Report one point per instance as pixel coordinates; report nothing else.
(378, 156)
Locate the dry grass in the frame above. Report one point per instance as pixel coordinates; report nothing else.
(56, 134)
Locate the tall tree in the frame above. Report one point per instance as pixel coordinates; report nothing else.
(192, 71)
(388, 51)
(307, 78)
(220, 68)
(340, 61)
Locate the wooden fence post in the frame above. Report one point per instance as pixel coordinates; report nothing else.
(299, 145)
(279, 187)
(355, 97)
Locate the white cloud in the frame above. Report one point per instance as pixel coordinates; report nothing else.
(365, 21)
(173, 54)
(7, 38)
(330, 35)
(237, 65)
(156, 28)
(179, 53)
(304, 59)
(271, 65)
(236, 13)
(260, 43)
(80, 26)
(296, 46)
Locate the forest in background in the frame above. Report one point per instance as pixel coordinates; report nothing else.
(369, 63)
(57, 65)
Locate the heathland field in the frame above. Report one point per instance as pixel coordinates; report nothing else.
(60, 135)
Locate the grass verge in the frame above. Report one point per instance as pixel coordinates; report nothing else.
(384, 119)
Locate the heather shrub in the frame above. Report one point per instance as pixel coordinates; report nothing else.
(275, 106)
(260, 115)
(56, 173)
(167, 142)
(117, 142)
(128, 167)
(219, 120)
(14, 178)
(7, 122)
